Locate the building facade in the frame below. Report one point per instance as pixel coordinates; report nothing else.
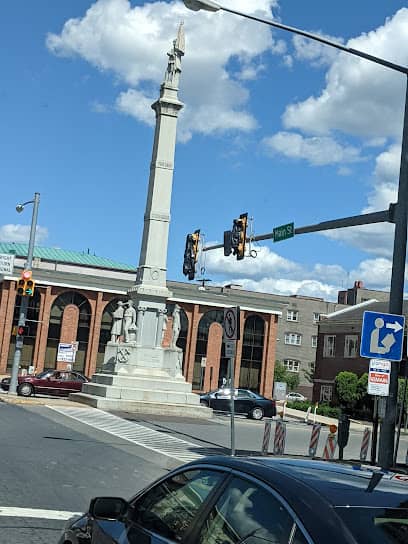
(77, 293)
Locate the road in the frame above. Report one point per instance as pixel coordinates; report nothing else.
(55, 465)
(56, 458)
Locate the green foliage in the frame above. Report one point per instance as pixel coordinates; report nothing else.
(350, 388)
(401, 386)
(322, 410)
(283, 375)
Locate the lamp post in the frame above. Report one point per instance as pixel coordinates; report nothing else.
(387, 436)
(24, 299)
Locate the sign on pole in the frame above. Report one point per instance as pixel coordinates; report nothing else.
(203, 362)
(231, 324)
(379, 377)
(66, 352)
(6, 263)
(279, 390)
(283, 232)
(382, 336)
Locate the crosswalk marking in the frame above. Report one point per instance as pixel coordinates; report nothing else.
(135, 433)
(13, 512)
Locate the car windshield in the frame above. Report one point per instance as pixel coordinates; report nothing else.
(377, 525)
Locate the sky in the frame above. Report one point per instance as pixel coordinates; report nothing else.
(274, 125)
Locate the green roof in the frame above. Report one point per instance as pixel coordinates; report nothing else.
(63, 256)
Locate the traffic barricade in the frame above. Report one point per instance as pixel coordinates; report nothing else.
(266, 437)
(280, 436)
(365, 443)
(314, 439)
(331, 443)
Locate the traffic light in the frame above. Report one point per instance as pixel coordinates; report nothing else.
(235, 239)
(191, 254)
(26, 284)
(22, 330)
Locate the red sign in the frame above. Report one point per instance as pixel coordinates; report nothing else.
(379, 378)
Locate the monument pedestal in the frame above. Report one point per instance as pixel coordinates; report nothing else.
(142, 380)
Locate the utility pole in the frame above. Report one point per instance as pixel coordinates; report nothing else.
(24, 299)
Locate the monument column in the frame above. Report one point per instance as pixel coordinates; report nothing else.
(150, 291)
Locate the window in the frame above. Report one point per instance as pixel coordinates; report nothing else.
(291, 365)
(350, 346)
(292, 315)
(316, 317)
(329, 346)
(246, 513)
(314, 341)
(293, 338)
(169, 508)
(326, 393)
(252, 353)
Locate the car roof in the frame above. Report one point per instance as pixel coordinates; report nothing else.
(339, 484)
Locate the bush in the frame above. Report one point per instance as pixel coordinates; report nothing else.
(322, 410)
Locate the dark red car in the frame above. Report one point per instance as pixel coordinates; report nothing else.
(49, 382)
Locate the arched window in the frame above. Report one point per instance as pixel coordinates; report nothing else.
(54, 329)
(32, 316)
(182, 339)
(105, 334)
(213, 316)
(252, 353)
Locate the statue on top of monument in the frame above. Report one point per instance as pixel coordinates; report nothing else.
(116, 331)
(173, 71)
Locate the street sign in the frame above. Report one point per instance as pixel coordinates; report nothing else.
(379, 377)
(283, 232)
(203, 362)
(230, 348)
(66, 352)
(231, 324)
(279, 390)
(6, 263)
(382, 336)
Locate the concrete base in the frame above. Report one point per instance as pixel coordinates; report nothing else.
(151, 385)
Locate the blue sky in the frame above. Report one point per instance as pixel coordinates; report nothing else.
(274, 126)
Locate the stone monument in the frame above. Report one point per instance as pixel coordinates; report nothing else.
(138, 373)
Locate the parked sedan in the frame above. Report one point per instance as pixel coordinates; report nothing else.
(246, 402)
(49, 382)
(292, 396)
(232, 500)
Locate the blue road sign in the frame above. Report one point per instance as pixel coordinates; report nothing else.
(382, 336)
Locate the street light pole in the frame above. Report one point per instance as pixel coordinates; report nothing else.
(24, 299)
(387, 436)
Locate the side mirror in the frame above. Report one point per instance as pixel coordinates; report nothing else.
(108, 508)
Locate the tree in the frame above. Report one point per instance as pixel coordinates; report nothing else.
(350, 388)
(283, 375)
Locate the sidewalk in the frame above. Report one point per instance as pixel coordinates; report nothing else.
(354, 424)
(36, 400)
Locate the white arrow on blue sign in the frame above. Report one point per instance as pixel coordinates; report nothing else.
(382, 336)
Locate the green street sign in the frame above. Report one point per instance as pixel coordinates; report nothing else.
(283, 232)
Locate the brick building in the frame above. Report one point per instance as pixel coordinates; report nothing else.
(76, 294)
(338, 345)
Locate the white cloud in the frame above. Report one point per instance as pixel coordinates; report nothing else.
(360, 97)
(316, 53)
(21, 233)
(131, 42)
(310, 288)
(317, 150)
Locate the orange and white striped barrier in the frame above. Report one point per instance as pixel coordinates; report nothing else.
(266, 437)
(330, 447)
(365, 443)
(280, 436)
(314, 439)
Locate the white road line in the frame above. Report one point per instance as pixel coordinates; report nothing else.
(135, 433)
(13, 512)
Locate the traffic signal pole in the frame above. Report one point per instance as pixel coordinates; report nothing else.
(24, 299)
(364, 219)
